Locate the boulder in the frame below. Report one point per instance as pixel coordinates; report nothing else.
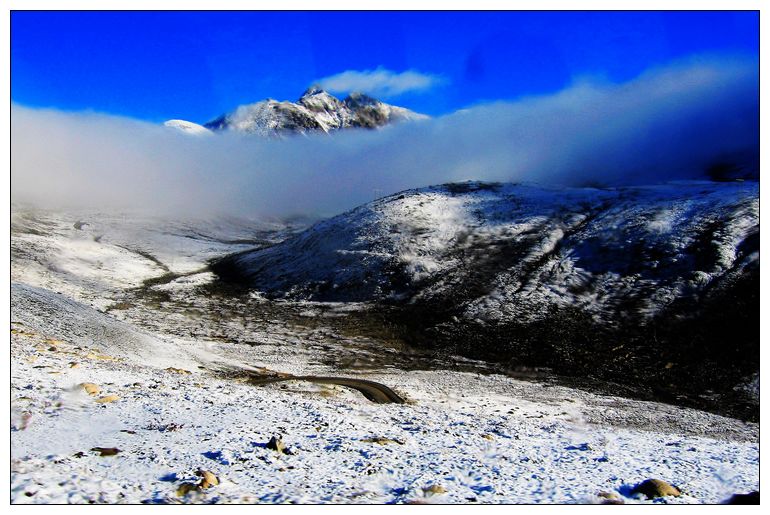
(434, 490)
(106, 451)
(610, 498)
(208, 479)
(654, 488)
(90, 388)
(276, 444)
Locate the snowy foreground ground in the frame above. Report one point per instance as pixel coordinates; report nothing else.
(170, 399)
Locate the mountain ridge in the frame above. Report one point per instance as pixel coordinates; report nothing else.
(316, 111)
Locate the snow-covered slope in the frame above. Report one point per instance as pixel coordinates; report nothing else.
(315, 111)
(61, 317)
(122, 303)
(463, 438)
(648, 280)
(585, 247)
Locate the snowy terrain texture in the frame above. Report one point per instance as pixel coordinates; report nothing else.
(131, 363)
(584, 247)
(598, 281)
(462, 438)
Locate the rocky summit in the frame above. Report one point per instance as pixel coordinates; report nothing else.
(315, 111)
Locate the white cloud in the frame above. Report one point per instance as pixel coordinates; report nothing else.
(380, 82)
(666, 124)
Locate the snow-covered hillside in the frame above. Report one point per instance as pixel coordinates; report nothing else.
(582, 247)
(315, 111)
(639, 278)
(132, 368)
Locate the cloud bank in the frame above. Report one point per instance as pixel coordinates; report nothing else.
(670, 123)
(379, 82)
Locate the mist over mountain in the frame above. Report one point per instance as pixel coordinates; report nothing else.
(689, 120)
(362, 257)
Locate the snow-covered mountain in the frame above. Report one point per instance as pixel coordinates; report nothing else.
(315, 111)
(663, 276)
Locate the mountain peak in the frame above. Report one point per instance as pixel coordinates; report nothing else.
(315, 111)
(315, 89)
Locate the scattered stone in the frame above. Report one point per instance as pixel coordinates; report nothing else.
(487, 437)
(90, 388)
(107, 398)
(74, 364)
(610, 498)
(434, 490)
(26, 417)
(119, 306)
(103, 357)
(276, 444)
(79, 454)
(178, 370)
(186, 488)
(208, 479)
(382, 441)
(654, 488)
(164, 428)
(749, 498)
(106, 451)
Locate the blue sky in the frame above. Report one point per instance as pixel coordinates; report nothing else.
(197, 65)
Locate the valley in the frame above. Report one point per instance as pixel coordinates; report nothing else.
(206, 366)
